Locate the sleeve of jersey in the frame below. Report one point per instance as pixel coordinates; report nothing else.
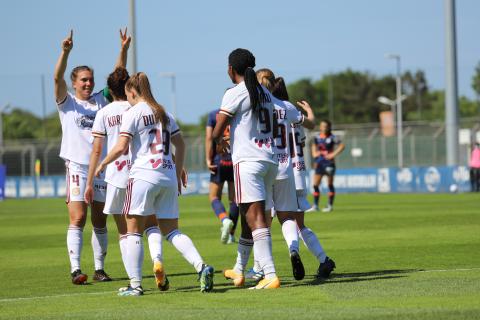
(65, 101)
(174, 126)
(211, 119)
(129, 123)
(230, 104)
(98, 129)
(294, 115)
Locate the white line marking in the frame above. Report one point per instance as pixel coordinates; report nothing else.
(109, 292)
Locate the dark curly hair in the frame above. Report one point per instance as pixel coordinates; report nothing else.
(116, 83)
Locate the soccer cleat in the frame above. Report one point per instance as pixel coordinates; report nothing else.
(238, 279)
(138, 291)
(78, 277)
(297, 266)
(255, 275)
(328, 208)
(312, 209)
(273, 283)
(227, 226)
(122, 289)
(206, 278)
(160, 276)
(231, 239)
(101, 276)
(326, 268)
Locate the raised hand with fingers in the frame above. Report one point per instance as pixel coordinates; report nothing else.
(67, 43)
(304, 105)
(124, 40)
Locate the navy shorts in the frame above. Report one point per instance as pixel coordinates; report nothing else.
(222, 174)
(325, 169)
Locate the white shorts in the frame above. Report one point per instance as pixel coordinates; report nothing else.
(302, 201)
(143, 198)
(254, 182)
(76, 178)
(285, 195)
(114, 200)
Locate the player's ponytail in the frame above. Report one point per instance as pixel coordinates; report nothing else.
(266, 78)
(140, 83)
(242, 62)
(279, 89)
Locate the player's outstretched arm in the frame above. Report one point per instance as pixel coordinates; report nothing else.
(94, 159)
(120, 148)
(124, 45)
(179, 143)
(58, 76)
(309, 121)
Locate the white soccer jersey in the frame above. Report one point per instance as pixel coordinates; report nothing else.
(250, 132)
(296, 143)
(286, 115)
(150, 145)
(76, 117)
(107, 124)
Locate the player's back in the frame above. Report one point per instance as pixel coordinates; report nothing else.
(251, 132)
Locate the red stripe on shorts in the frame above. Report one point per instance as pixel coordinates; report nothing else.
(128, 197)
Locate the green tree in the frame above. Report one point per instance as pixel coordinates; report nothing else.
(476, 82)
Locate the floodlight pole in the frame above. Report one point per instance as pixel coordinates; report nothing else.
(451, 93)
(132, 57)
(399, 109)
(173, 78)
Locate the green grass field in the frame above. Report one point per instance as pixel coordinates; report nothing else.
(398, 257)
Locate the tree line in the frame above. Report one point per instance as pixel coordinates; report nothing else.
(344, 97)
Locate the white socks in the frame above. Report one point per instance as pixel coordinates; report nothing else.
(185, 246)
(134, 258)
(290, 234)
(99, 245)
(154, 238)
(243, 254)
(312, 243)
(262, 250)
(123, 251)
(74, 246)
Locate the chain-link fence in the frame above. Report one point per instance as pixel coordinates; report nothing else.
(423, 145)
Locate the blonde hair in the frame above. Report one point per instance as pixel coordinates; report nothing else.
(266, 78)
(139, 82)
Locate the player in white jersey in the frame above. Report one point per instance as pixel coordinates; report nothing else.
(107, 125)
(284, 194)
(296, 143)
(154, 180)
(248, 108)
(77, 113)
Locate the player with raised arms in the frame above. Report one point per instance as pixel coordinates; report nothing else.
(77, 112)
(296, 142)
(248, 108)
(154, 180)
(107, 127)
(325, 148)
(219, 162)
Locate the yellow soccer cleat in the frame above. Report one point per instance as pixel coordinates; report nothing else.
(273, 283)
(238, 279)
(160, 276)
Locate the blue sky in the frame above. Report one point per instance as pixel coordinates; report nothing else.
(296, 39)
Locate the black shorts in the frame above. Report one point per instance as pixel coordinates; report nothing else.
(222, 174)
(325, 169)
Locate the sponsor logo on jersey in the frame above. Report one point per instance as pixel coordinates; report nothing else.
(85, 121)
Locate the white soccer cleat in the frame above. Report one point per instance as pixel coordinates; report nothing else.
(314, 208)
(255, 275)
(327, 209)
(225, 230)
(231, 239)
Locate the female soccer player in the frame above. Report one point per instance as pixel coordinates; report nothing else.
(296, 142)
(77, 113)
(284, 193)
(325, 148)
(107, 124)
(248, 108)
(219, 163)
(154, 180)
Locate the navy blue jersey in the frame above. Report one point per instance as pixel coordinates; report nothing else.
(325, 144)
(224, 157)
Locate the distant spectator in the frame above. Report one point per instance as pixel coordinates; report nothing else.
(475, 168)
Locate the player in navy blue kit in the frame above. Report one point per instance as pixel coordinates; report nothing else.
(220, 165)
(325, 148)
